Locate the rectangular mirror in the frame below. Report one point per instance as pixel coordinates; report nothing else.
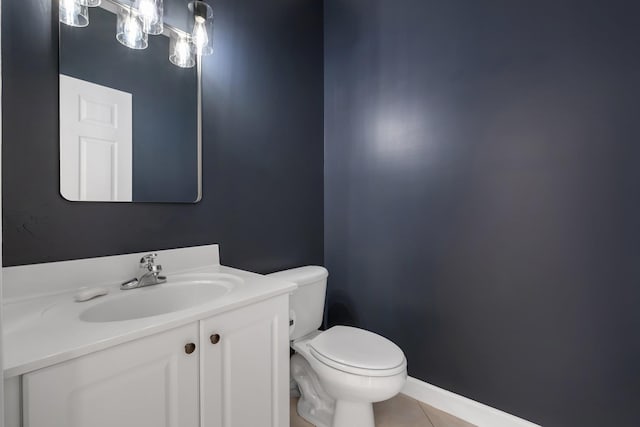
(130, 120)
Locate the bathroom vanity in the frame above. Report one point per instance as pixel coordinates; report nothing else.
(208, 348)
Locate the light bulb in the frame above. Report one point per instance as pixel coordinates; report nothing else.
(181, 55)
(132, 30)
(129, 30)
(202, 31)
(147, 10)
(68, 9)
(183, 52)
(150, 12)
(200, 36)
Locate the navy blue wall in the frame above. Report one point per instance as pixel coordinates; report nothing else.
(482, 202)
(165, 104)
(262, 150)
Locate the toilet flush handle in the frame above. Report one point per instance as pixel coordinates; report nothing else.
(292, 322)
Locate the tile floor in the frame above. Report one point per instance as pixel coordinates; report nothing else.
(401, 411)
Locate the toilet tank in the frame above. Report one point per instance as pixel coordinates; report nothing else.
(306, 305)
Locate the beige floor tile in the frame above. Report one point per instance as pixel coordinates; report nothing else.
(296, 420)
(442, 419)
(401, 411)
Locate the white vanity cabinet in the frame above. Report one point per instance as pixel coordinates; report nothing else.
(228, 370)
(150, 382)
(245, 366)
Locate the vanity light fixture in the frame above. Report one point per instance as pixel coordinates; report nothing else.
(73, 13)
(151, 12)
(130, 29)
(202, 32)
(146, 17)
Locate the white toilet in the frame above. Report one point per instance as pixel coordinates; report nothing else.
(341, 371)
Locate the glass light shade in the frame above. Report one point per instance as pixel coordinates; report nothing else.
(202, 31)
(181, 52)
(90, 3)
(73, 13)
(130, 30)
(152, 14)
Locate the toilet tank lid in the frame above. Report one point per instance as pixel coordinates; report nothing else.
(302, 275)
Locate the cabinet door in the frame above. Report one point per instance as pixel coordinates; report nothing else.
(245, 372)
(150, 382)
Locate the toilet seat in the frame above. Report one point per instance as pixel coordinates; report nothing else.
(358, 352)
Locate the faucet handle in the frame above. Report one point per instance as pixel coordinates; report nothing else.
(148, 261)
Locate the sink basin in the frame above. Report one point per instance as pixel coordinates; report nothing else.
(160, 299)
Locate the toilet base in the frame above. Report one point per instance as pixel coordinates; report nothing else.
(320, 409)
(314, 405)
(331, 397)
(353, 414)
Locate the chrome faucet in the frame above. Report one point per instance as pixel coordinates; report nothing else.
(150, 274)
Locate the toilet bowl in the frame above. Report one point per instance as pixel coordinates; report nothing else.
(342, 371)
(350, 383)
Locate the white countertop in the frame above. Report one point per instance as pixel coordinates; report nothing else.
(46, 329)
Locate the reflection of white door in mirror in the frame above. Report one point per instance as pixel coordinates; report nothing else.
(96, 142)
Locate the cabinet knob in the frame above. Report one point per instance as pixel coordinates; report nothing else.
(215, 338)
(190, 348)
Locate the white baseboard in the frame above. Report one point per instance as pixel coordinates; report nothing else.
(462, 407)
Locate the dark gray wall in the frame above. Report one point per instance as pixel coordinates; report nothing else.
(482, 196)
(263, 166)
(165, 104)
